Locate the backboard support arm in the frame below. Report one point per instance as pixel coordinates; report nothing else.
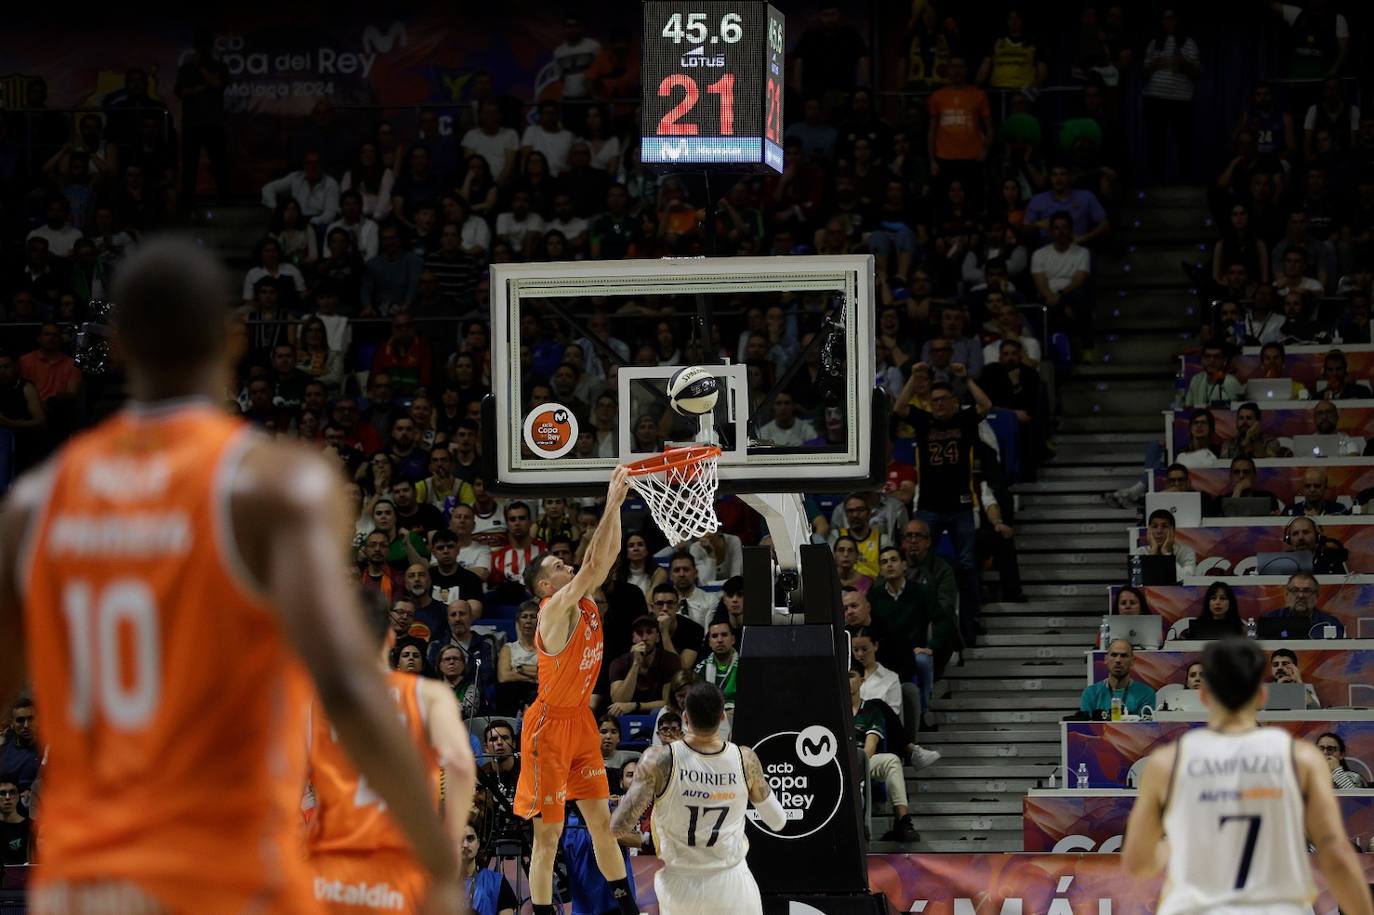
(789, 529)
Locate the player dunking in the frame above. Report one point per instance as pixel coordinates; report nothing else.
(559, 740)
(162, 579)
(357, 856)
(700, 787)
(1235, 801)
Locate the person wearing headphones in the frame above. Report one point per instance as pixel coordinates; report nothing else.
(1328, 553)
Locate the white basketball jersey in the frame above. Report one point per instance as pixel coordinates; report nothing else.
(1234, 821)
(698, 820)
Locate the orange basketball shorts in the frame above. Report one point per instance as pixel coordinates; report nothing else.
(560, 761)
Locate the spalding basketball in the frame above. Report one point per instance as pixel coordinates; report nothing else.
(692, 391)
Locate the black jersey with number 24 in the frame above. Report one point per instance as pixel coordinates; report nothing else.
(944, 459)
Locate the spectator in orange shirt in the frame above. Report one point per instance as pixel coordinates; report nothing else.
(53, 373)
(960, 131)
(405, 357)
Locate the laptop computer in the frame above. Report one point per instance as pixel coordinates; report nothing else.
(1262, 389)
(1279, 628)
(1283, 563)
(1144, 631)
(1316, 445)
(1286, 697)
(1186, 507)
(1245, 506)
(1151, 570)
(1201, 630)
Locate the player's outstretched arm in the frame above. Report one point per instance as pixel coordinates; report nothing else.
(1326, 832)
(449, 738)
(1145, 853)
(760, 792)
(655, 767)
(16, 513)
(287, 513)
(602, 550)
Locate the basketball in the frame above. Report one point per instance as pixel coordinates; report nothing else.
(693, 391)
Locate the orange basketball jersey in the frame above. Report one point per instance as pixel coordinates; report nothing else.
(566, 679)
(349, 815)
(168, 696)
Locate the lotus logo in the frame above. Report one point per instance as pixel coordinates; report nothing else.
(377, 42)
(697, 58)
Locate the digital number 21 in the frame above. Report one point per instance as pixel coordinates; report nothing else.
(724, 87)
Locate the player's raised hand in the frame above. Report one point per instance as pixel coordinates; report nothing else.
(620, 485)
(958, 370)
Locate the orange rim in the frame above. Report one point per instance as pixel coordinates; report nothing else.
(671, 459)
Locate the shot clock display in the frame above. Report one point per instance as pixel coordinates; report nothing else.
(713, 83)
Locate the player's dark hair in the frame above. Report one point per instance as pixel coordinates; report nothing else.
(376, 613)
(662, 587)
(493, 725)
(172, 306)
(703, 705)
(683, 554)
(1233, 668)
(534, 572)
(443, 535)
(861, 632)
(733, 585)
(1283, 653)
(1340, 742)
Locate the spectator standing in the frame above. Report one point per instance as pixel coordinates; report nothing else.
(1172, 69)
(200, 85)
(830, 58)
(945, 441)
(573, 58)
(960, 132)
(1013, 63)
(1318, 39)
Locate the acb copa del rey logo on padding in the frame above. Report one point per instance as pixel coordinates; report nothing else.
(550, 430)
(803, 769)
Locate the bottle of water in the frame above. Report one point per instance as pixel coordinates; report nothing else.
(1082, 776)
(1180, 388)
(1104, 635)
(1251, 628)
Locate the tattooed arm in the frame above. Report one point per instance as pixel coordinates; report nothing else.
(651, 776)
(761, 793)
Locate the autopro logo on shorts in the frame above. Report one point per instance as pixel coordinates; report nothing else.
(803, 769)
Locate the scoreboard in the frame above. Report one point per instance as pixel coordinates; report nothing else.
(713, 83)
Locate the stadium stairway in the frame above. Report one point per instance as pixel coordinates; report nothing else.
(999, 716)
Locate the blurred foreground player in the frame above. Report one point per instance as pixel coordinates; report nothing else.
(1239, 804)
(167, 580)
(358, 858)
(559, 741)
(700, 787)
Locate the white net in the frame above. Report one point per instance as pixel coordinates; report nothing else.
(680, 487)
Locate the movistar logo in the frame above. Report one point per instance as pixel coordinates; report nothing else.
(375, 41)
(672, 150)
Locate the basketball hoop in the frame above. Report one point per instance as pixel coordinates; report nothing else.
(680, 486)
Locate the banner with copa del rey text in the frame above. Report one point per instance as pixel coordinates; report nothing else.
(1074, 821)
(1114, 752)
(1342, 677)
(1304, 366)
(1003, 884)
(1286, 482)
(1356, 421)
(1227, 550)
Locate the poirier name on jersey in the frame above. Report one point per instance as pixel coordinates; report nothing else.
(698, 820)
(1234, 818)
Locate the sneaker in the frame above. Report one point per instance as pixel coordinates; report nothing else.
(903, 830)
(928, 722)
(923, 758)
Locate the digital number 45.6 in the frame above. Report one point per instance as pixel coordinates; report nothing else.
(669, 126)
(696, 31)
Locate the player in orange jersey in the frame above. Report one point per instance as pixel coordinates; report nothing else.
(559, 741)
(358, 858)
(171, 582)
